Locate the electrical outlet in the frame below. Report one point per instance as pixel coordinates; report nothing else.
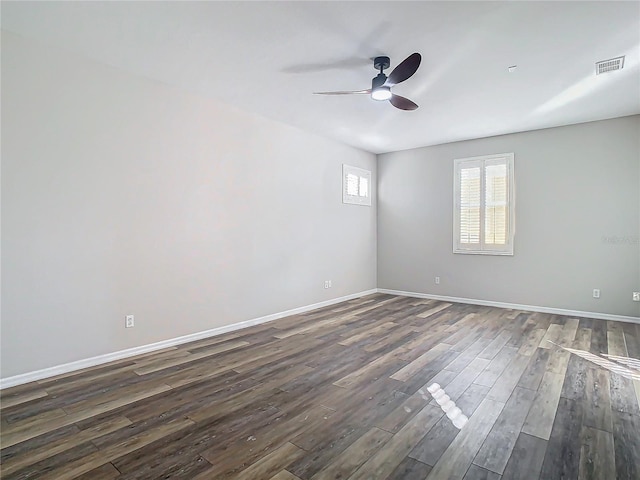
(636, 296)
(326, 284)
(596, 293)
(329, 283)
(437, 280)
(129, 321)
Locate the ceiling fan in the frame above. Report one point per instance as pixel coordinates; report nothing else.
(381, 84)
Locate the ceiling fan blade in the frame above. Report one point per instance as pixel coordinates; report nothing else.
(402, 103)
(346, 92)
(403, 71)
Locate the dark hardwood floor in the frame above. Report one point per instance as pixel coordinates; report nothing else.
(341, 393)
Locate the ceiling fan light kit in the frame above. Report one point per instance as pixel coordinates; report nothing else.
(381, 93)
(381, 84)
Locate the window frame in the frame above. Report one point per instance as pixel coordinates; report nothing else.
(361, 173)
(483, 161)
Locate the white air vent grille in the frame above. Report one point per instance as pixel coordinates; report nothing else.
(609, 65)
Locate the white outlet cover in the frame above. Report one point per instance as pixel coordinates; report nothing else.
(129, 321)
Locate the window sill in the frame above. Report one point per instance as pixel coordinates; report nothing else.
(483, 252)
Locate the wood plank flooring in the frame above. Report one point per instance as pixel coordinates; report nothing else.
(341, 393)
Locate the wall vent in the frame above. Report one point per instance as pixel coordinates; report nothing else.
(609, 65)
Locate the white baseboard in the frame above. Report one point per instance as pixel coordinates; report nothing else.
(515, 306)
(130, 352)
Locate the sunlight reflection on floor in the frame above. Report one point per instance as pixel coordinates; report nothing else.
(625, 366)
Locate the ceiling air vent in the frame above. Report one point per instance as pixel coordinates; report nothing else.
(609, 65)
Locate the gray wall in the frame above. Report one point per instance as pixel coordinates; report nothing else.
(577, 220)
(121, 195)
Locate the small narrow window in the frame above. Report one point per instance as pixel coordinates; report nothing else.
(484, 205)
(356, 185)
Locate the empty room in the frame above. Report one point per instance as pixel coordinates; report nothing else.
(291, 240)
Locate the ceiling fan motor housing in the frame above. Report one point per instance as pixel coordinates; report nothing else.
(378, 81)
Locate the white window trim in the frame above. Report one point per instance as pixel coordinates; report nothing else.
(481, 248)
(361, 173)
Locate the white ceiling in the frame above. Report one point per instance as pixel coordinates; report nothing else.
(268, 57)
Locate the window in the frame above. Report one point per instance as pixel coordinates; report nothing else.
(356, 185)
(484, 205)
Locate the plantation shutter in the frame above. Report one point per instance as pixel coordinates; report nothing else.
(352, 184)
(470, 205)
(495, 204)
